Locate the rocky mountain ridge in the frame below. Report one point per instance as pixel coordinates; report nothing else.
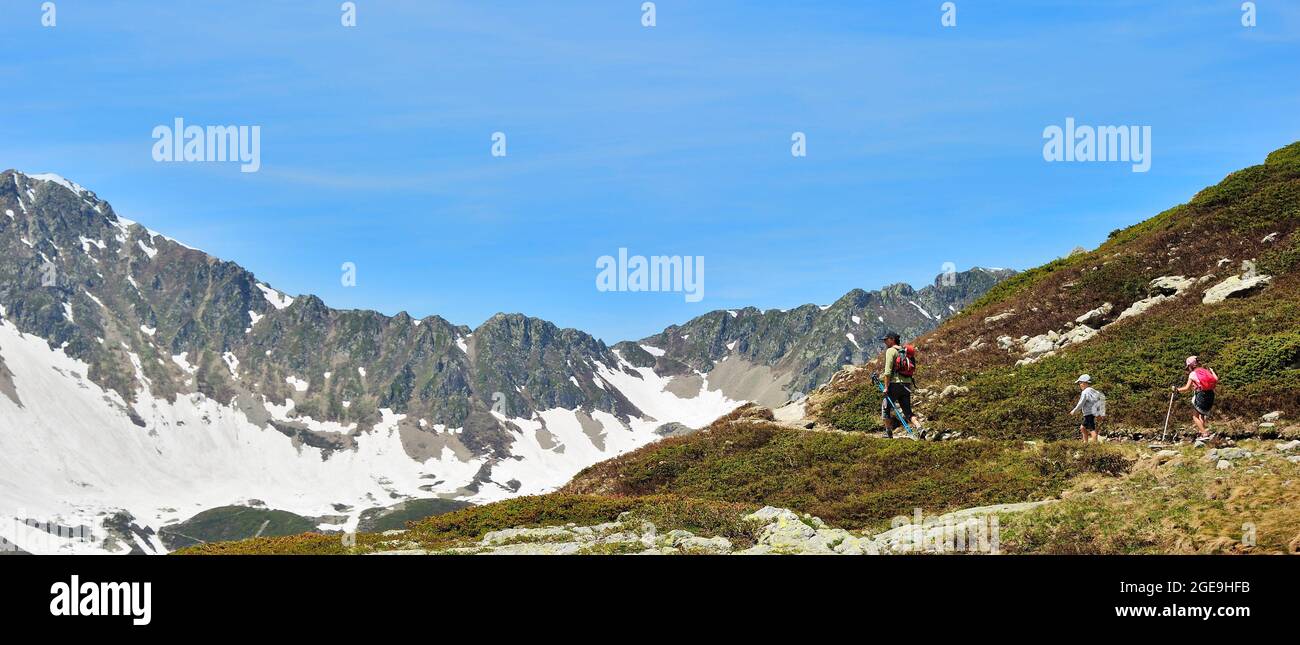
(154, 356)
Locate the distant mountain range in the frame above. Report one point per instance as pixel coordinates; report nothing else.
(145, 381)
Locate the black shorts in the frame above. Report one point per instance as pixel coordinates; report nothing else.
(1203, 401)
(901, 395)
(1090, 422)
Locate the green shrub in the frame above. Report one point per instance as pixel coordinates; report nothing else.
(858, 410)
(533, 511)
(1288, 156)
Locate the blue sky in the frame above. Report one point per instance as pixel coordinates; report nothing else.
(924, 143)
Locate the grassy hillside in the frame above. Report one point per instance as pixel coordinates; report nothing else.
(708, 481)
(1184, 504)
(378, 520)
(850, 480)
(1120, 498)
(233, 523)
(1253, 342)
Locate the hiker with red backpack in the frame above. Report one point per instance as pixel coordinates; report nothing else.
(900, 365)
(1203, 380)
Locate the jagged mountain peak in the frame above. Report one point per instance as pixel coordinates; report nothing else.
(803, 347)
(155, 380)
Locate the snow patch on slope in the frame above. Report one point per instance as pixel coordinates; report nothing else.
(653, 351)
(923, 311)
(277, 299)
(553, 445)
(72, 452)
(49, 176)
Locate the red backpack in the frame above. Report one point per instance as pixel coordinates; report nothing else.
(905, 361)
(1205, 379)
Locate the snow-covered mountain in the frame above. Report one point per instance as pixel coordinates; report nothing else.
(143, 381)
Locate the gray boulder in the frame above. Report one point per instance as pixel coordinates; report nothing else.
(1235, 287)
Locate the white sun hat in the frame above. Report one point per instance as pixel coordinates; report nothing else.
(1084, 379)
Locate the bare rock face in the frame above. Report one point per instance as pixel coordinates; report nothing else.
(1235, 287)
(953, 391)
(1000, 317)
(786, 532)
(1161, 289)
(675, 429)
(1077, 335)
(1095, 315)
(1171, 285)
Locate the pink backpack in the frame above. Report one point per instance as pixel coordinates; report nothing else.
(1204, 379)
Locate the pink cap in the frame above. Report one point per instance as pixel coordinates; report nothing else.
(1191, 362)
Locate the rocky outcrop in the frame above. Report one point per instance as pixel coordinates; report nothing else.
(1161, 289)
(972, 530)
(1235, 287)
(1095, 316)
(785, 532)
(1093, 321)
(999, 317)
(774, 531)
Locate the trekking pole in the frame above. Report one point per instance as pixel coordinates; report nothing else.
(1167, 414)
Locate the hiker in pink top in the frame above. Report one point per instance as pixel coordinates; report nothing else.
(1203, 380)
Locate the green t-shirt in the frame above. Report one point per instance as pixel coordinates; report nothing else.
(891, 355)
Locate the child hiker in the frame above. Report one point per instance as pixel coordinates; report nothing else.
(1092, 403)
(1203, 380)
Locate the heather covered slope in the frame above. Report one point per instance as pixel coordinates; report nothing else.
(847, 479)
(699, 494)
(1127, 313)
(706, 483)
